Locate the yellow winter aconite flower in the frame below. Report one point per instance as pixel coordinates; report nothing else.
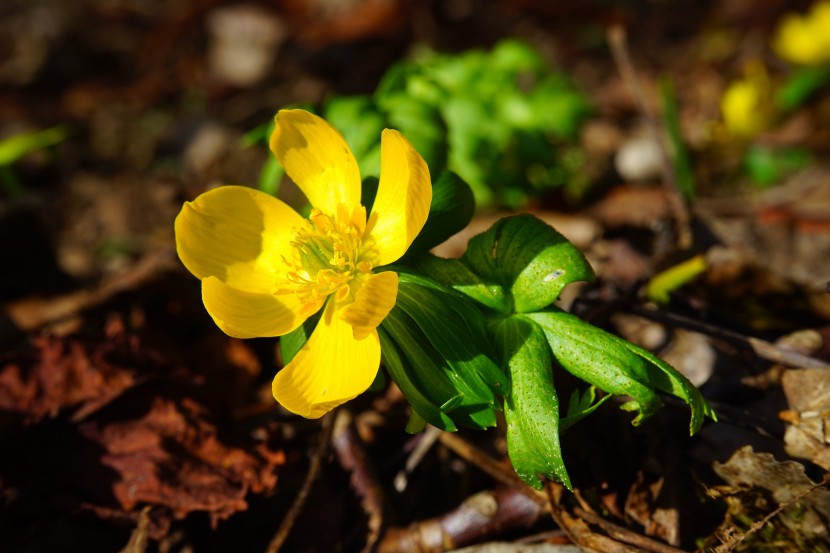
(747, 104)
(265, 269)
(805, 39)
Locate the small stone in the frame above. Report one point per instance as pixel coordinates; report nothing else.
(639, 159)
(244, 43)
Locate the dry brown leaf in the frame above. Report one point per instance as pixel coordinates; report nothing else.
(172, 457)
(140, 433)
(54, 374)
(808, 434)
(747, 471)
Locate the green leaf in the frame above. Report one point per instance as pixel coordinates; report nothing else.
(517, 56)
(454, 274)
(456, 328)
(294, 341)
(532, 410)
(423, 409)
(424, 374)
(561, 108)
(258, 135)
(767, 166)
(270, 176)
(17, 146)
(451, 210)
(617, 366)
(394, 81)
(421, 124)
(416, 423)
(529, 258)
(680, 154)
(804, 82)
(361, 123)
(660, 287)
(580, 406)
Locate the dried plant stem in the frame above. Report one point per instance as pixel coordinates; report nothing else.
(428, 438)
(575, 524)
(313, 470)
(735, 540)
(32, 313)
(619, 51)
(762, 348)
(349, 450)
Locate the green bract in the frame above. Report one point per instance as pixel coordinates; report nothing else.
(532, 409)
(440, 358)
(617, 366)
(515, 271)
(521, 258)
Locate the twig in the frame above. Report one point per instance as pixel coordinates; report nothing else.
(479, 516)
(619, 51)
(350, 453)
(313, 469)
(577, 529)
(736, 540)
(499, 472)
(32, 313)
(427, 439)
(140, 538)
(574, 526)
(762, 348)
(625, 535)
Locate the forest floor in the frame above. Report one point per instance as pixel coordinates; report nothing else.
(130, 422)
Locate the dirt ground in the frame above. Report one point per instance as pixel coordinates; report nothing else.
(130, 422)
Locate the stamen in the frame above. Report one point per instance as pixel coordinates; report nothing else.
(327, 254)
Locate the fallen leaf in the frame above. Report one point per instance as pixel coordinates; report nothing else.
(53, 374)
(747, 471)
(808, 434)
(172, 456)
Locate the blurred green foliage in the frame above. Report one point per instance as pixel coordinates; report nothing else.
(13, 148)
(502, 120)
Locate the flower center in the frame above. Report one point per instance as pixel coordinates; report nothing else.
(328, 253)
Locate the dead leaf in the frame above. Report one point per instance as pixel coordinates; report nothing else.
(172, 456)
(808, 434)
(747, 471)
(53, 374)
(139, 433)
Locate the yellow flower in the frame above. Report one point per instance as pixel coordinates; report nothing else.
(265, 269)
(747, 103)
(805, 39)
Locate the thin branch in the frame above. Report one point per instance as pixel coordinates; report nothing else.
(576, 527)
(736, 540)
(763, 349)
(428, 438)
(349, 449)
(299, 502)
(625, 535)
(481, 515)
(498, 471)
(31, 313)
(619, 51)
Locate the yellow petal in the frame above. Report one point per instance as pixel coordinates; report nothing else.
(795, 42)
(330, 369)
(237, 235)
(373, 302)
(252, 315)
(317, 159)
(402, 203)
